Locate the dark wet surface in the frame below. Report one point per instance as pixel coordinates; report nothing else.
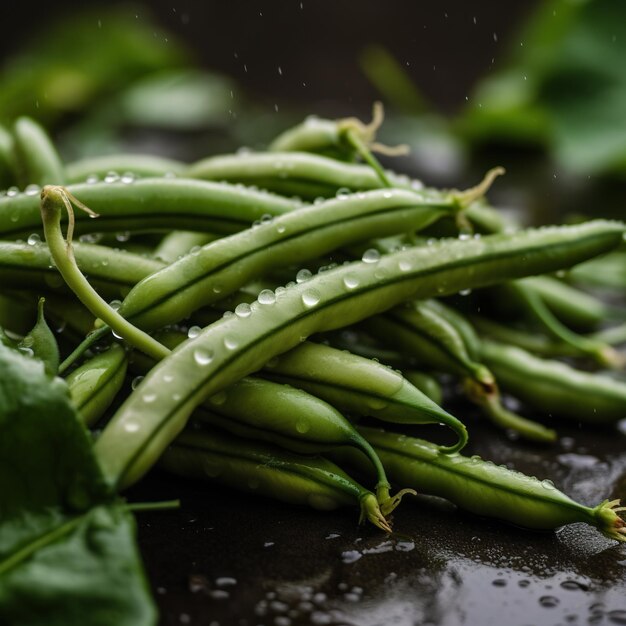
(233, 559)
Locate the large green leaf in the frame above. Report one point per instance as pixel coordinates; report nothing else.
(67, 545)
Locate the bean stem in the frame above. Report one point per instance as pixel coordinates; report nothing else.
(53, 198)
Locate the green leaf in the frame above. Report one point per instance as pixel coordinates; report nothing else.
(67, 544)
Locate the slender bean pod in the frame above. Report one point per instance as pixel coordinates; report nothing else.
(488, 490)
(293, 173)
(554, 387)
(150, 204)
(225, 265)
(429, 332)
(263, 469)
(241, 344)
(360, 386)
(38, 161)
(112, 272)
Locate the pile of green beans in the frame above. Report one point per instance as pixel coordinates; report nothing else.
(256, 398)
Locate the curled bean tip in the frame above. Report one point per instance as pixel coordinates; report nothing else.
(388, 506)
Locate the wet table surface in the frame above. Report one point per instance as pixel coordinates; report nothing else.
(227, 558)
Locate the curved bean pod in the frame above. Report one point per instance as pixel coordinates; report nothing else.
(258, 468)
(94, 385)
(421, 330)
(150, 204)
(238, 345)
(112, 272)
(554, 387)
(38, 161)
(306, 175)
(225, 265)
(361, 386)
(486, 489)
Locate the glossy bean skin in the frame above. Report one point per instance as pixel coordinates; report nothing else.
(137, 165)
(150, 204)
(280, 414)
(359, 386)
(292, 173)
(263, 469)
(94, 385)
(239, 345)
(112, 272)
(37, 160)
(419, 330)
(554, 387)
(439, 338)
(485, 489)
(225, 265)
(316, 135)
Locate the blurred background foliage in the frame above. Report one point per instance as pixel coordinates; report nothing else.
(539, 87)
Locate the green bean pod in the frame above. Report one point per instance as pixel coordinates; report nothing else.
(360, 386)
(149, 204)
(94, 385)
(420, 330)
(439, 338)
(538, 344)
(238, 345)
(112, 272)
(38, 162)
(535, 305)
(42, 342)
(223, 266)
(263, 469)
(280, 414)
(292, 173)
(315, 134)
(573, 307)
(488, 490)
(554, 387)
(137, 165)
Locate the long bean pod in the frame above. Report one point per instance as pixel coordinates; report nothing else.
(556, 388)
(240, 344)
(263, 469)
(150, 204)
(360, 386)
(112, 272)
(440, 339)
(222, 266)
(37, 160)
(488, 490)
